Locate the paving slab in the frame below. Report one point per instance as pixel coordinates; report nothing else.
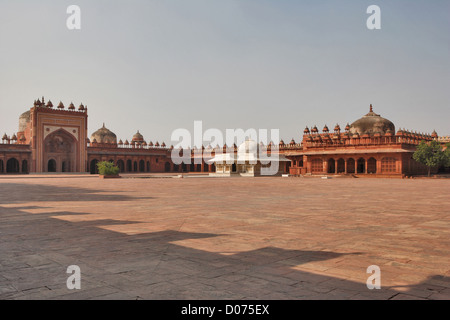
(256, 238)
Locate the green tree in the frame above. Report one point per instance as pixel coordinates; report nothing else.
(447, 155)
(107, 168)
(430, 154)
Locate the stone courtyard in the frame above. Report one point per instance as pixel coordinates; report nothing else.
(153, 237)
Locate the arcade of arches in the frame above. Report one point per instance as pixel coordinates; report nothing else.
(355, 165)
(150, 164)
(55, 140)
(13, 165)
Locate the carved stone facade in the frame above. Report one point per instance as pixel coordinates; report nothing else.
(55, 140)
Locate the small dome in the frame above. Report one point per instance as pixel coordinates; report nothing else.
(81, 107)
(49, 104)
(104, 135)
(138, 137)
(71, 106)
(61, 105)
(5, 137)
(372, 123)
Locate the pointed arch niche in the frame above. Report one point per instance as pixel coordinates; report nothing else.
(61, 147)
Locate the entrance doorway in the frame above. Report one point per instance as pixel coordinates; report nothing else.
(361, 166)
(12, 166)
(51, 167)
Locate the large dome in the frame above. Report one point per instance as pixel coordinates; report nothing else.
(104, 135)
(24, 119)
(372, 123)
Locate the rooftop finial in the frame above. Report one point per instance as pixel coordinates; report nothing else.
(104, 125)
(371, 108)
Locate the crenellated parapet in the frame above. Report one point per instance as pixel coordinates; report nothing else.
(42, 106)
(316, 139)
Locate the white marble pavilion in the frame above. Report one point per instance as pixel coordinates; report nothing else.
(248, 161)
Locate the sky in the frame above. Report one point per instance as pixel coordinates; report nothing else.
(159, 65)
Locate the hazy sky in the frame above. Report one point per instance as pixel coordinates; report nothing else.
(156, 66)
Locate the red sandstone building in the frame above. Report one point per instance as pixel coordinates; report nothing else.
(55, 140)
(369, 146)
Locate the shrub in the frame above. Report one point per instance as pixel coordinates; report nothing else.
(107, 168)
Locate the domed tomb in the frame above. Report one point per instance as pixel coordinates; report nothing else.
(372, 123)
(104, 135)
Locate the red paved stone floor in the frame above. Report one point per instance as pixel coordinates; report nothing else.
(219, 238)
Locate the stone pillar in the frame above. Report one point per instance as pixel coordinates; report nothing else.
(335, 166)
(365, 169)
(346, 163)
